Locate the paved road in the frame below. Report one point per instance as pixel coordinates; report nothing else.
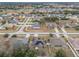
(36, 32)
(23, 26)
(69, 43)
(57, 32)
(26, 23)
(20, 29)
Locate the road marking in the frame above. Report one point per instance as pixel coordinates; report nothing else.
(57, 32)
(69, 43)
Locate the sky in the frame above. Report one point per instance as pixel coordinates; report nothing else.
(39, 0)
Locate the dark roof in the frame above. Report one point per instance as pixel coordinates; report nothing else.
(13, 21)
(39, 42)
(19, 43)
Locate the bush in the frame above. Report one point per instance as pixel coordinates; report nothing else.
(20, 52)
(6, 35)
(51, 35)
(2, 54)
(77, 27)
(14, 36)
(60, 53)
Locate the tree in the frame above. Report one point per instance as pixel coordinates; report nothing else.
(2, 54)
(51, 35)
(20, 52)
(51, 19)
(31, 53)
(26, 52)
(60, 53)
(54, 19)
(76, 27)
(3, 22)
(6, 35)
(14, 36)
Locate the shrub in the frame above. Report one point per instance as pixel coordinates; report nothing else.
(6, 35)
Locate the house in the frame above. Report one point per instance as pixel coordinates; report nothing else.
(10, 26)
(13, 21)
(2, 27)
(38, 43)
(35, 26)
(50, 25)
(1, 18)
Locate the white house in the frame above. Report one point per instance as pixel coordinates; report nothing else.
(35, 26)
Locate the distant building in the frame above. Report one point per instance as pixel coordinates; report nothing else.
(2, 27)
(50, 25)
(13, 21)
(35, 26)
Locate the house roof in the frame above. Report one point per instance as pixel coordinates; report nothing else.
(13, 21)
(39, 42)
(19, 43)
